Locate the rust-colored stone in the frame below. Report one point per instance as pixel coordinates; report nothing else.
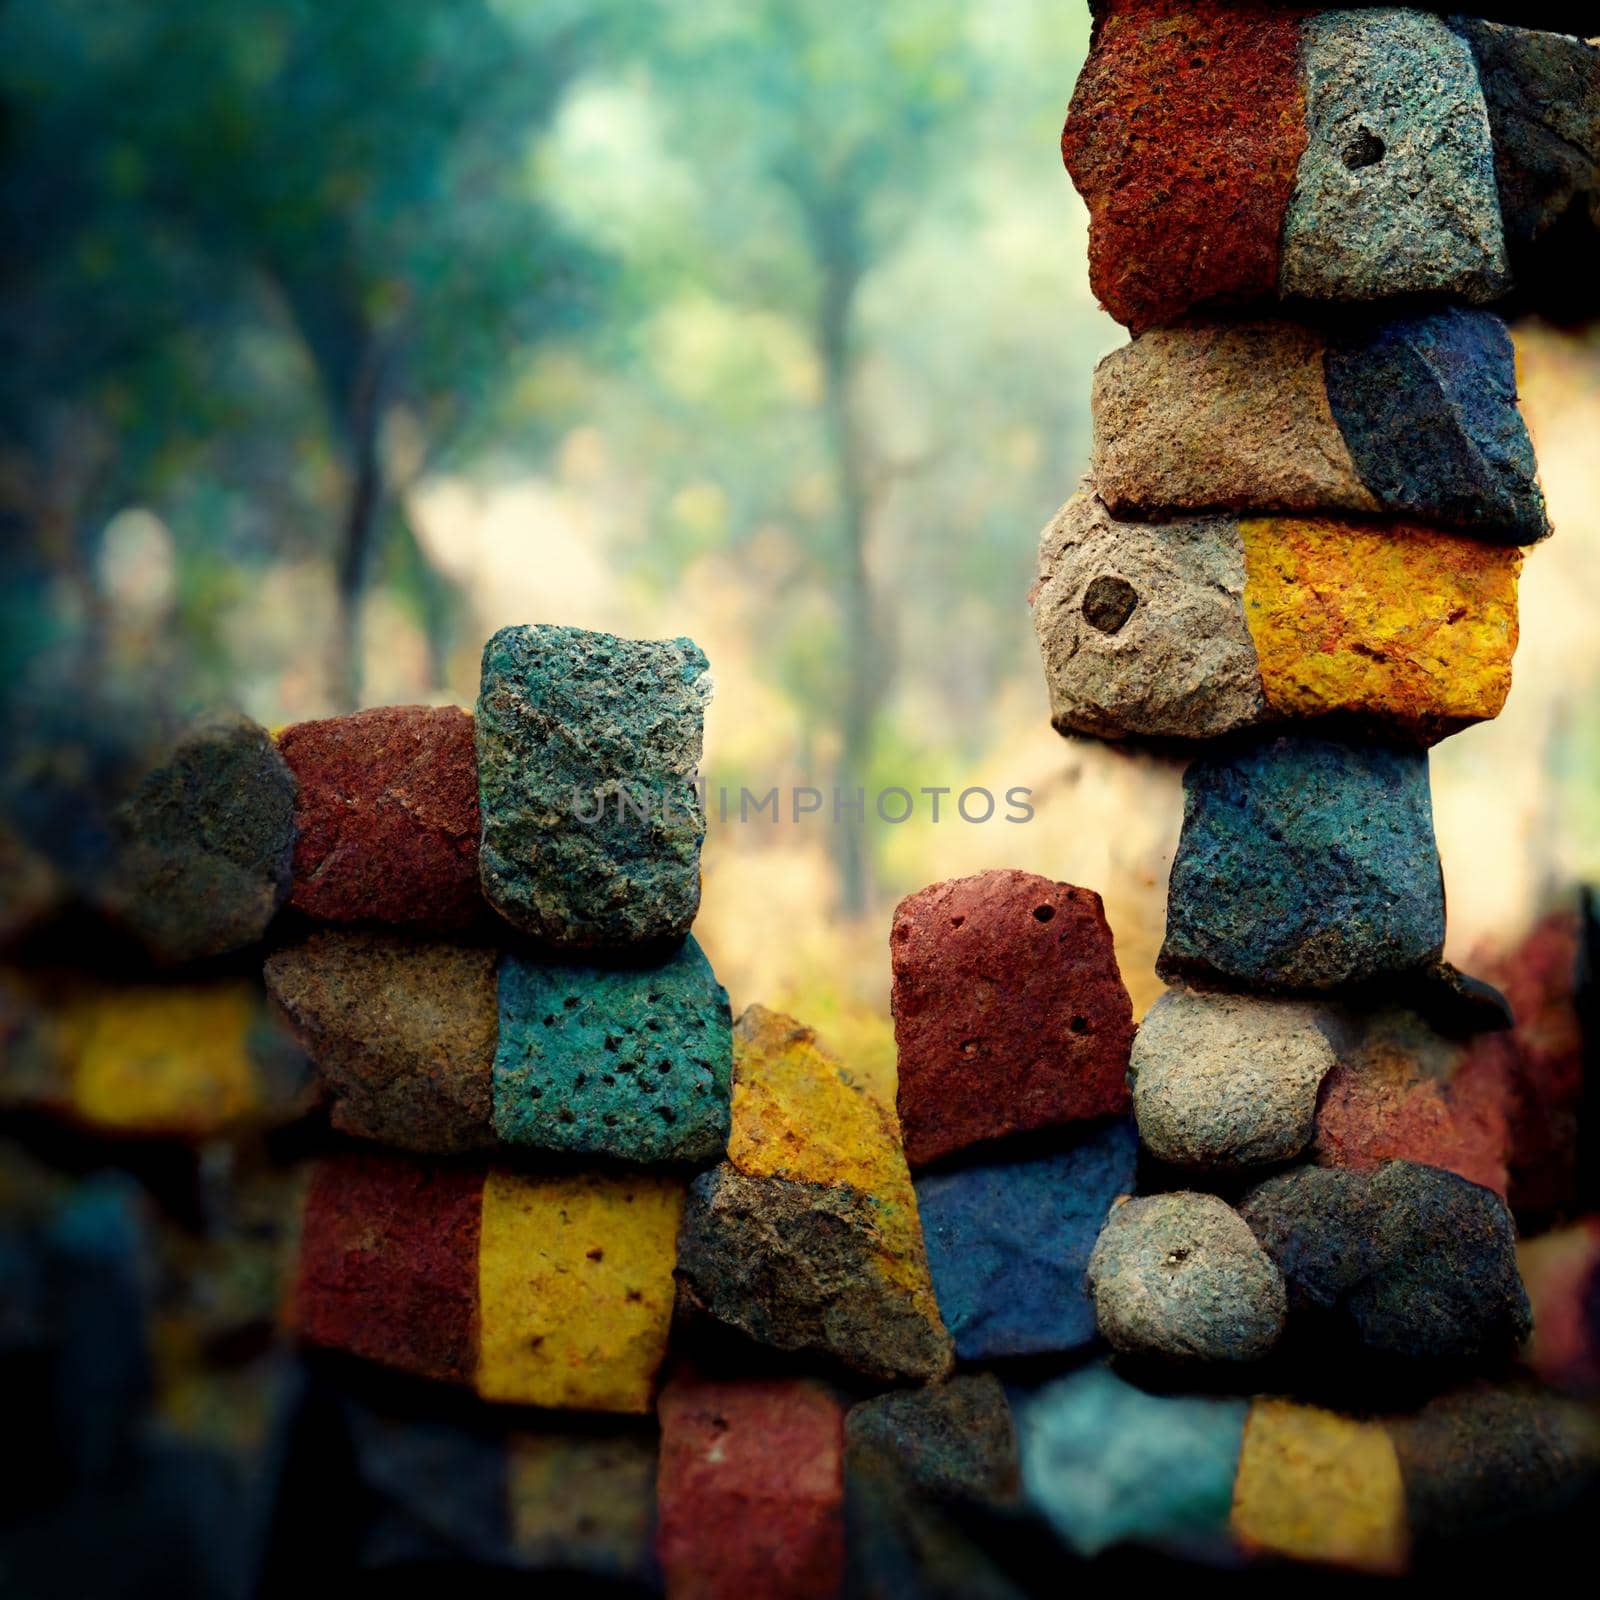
(1183, 138)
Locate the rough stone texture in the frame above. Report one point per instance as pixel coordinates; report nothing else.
(1181, 1277)
(1543, 94)
(571, 726)
(1009, 1244)
(807, 1237)
(751, 1490)
(1221, 416)
(1408, 1261)
(1304, 864)
(575, 1289)
(1478, 1462)
(1107, 1464)
(1561, 1270)
(635, 1063)
(1403, 1090)
(1009, 1012)
(583, 1502)
(1428, 407)
(389, 1263)
(387, 817)
(1183, 137)
(401, 1033)
(203, 845)
(1182, 665)
(1395, 192)
(954, 1442)
(1313, 1486)
(1394, 623)
(1226, 1081)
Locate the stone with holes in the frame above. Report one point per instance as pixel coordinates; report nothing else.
(634, 1063)
(1009, 1012)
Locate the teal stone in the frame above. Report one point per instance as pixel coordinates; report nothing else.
(633, 1063)
(1107, 1464)
(588, 747)
(1304, 865)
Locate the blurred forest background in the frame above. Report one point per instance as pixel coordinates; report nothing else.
(335, 336)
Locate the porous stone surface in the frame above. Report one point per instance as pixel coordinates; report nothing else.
(401, 1033)
(1395, 191)
(1542, 89)
(1009, 1011)
(1334, 615)
(806, 1238)
(954, 1441)
(630, 1062)
(1317, 1487)
(386, 817)
(577, 734)
(1186, 179)
(1427, 405)
(1229, 1081)
(583, 1502)
(750, 1492)
(1410, 1262)
(1180, 662)
(575, 1294)
(203, 845)
(389, 1263)
(1403, 1090)
(1304, 864)
(1009, 1244)
(1479, 1461)
(1221, 416)
(1109, 1464)
(1180, 1276)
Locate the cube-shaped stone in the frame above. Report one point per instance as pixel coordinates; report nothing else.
(588, 747)
(1009, 1012)
(1304, 865)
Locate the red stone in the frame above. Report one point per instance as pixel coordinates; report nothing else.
(389, 1263)
(387, 817)
(1183, 137)
(750, 1490)
(1009, 1011)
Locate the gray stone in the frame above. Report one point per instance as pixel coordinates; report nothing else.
(1395, 193)
(1180, 663)
(1181, 1276)
(1228, 1081)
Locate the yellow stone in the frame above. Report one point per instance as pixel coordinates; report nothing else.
(800, 1113)
(1388, 620)
(167, 1058)
(1318, 1487)
(575, 1288)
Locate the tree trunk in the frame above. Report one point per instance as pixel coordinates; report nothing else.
(360, 521)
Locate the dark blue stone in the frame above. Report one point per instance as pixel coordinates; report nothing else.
(1304, 865)
(1428, 408)
(1008, 1244)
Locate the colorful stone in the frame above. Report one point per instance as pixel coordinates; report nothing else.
(574, 1282)
(634, 1063)
(751, 1490)
(1313, 1486)
(1304, 865)
(1181, 1277)
(1561, 1270)
(203, 846)
(402, 1034)
(587, 749)
(1009, 1244)
(386, 817)
(1009, 1012)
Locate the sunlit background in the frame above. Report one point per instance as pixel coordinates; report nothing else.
(336, 337)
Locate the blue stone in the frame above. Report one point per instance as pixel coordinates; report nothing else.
(1304, 865)
(630, 1062)
(1008, 1244)
(1428, 408)
(1107, 1464)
